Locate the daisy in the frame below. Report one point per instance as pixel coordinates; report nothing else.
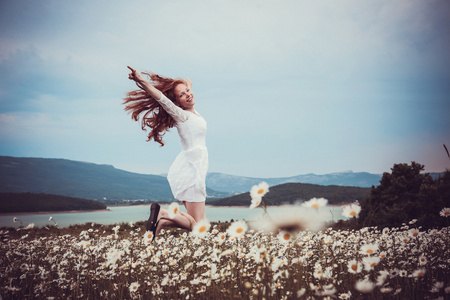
(345, 295)
(354, 266)
(148, 237)
(174, 208)
(419, 273)
(413, 232)
(237, 229)
(369, 249)
(284, 237)
(422, 260)
(134, 286)
(445, 212)
(257, 192)
(364, 286)
(256, 201)
(315, 202)
(350, 211)
(201, 228)
(370, 262)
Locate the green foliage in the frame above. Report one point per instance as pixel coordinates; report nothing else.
(27, 202)
(290, 193)
(404, 195)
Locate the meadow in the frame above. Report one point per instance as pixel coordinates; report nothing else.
(290, 256)
(225, 261)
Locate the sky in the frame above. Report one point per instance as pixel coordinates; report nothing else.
(287, 87)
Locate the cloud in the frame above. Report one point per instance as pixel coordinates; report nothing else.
(305, 86)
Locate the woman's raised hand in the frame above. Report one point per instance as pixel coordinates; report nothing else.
(134, 75)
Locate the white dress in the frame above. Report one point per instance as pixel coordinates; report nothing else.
(187, 174)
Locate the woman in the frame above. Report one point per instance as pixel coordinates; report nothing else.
(165, 103)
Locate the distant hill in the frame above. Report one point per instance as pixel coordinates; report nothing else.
(108, 184)
(27, 202)
(290, 193)
(82, 180)
(239, 184)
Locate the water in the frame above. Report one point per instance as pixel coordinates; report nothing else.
(126, 214)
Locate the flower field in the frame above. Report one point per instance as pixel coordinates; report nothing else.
(224, 261)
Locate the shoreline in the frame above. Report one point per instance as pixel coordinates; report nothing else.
(22, 213)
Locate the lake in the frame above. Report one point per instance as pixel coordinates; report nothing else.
(126, 214)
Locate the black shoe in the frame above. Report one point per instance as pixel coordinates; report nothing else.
(154, 231)
(154, 211)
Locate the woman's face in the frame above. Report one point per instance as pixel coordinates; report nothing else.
(184, 96)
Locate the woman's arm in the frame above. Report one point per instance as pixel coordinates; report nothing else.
(176, 112)
(143, 84)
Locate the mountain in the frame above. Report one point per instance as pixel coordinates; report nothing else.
(108, 184)
(291, 193)
(27, 202)
(81, 180)
(239, 184)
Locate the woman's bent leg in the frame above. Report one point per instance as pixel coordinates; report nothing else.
(196, 210)
(181, 220)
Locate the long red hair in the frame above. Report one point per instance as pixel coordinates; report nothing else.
(138, 102)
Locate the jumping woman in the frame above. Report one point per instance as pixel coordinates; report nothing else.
(165, 103)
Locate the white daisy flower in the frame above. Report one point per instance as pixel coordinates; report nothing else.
(315, 202)
(173, 209)
(201, 228)
(237, 229)
(134, 286)
(445, 212)
(350, 211)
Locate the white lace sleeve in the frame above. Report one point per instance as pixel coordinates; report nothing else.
(176, 112)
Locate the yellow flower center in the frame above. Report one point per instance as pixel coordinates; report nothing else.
(175, 211)
(353, 213)
(260, 191)
(286, 236)
(202, 229)
(239, 230)
(315, 205)
(369, 251)
(354, 267)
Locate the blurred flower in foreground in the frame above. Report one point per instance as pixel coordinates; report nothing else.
(445, 212)
(30, 226)
(174, 208)
(291, 220)
(237, 229)
(201, 228)
(315, 202)
(364, 286)
(257, 192)
(350, 211)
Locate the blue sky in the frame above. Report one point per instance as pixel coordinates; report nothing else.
(287, 87)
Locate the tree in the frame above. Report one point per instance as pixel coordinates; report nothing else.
(406, 194)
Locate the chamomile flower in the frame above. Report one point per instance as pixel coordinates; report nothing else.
(315, 202)
(237, 229)
(284, 237)
(354, 266)
(350, 211)
(370, 262)
(369, 249)
(364, 286)
(201, 228)
(419, 273)
(445, 212)
(134, 286)
(173, 209)
(257, 192)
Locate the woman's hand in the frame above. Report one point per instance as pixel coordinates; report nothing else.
(142, 84)
(134, 75)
